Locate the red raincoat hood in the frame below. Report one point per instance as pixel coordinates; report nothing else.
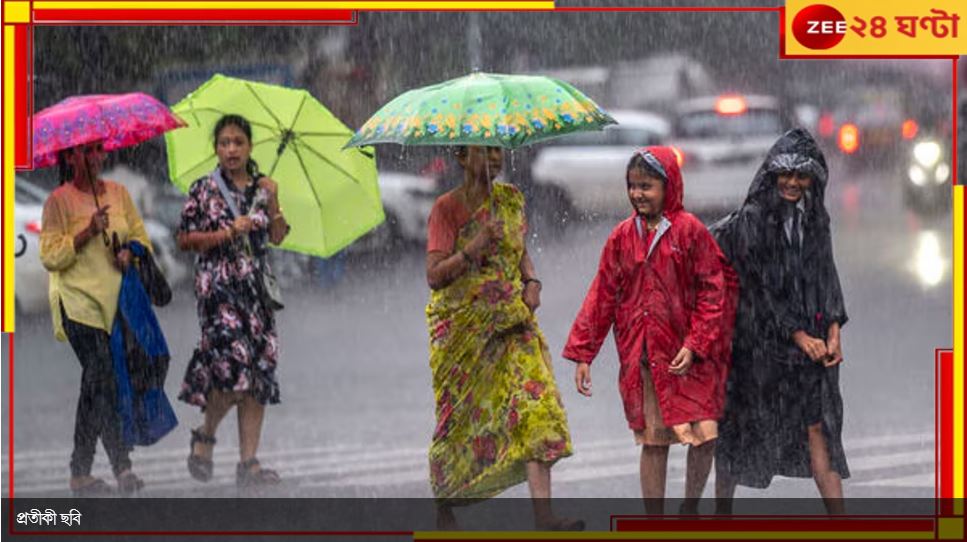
(674, 187)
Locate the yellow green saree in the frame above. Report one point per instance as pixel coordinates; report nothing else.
(497, 405)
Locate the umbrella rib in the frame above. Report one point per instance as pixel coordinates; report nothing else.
(278, 122)
(288, 133)
(305, 171)
(302, 104)
(328, 161)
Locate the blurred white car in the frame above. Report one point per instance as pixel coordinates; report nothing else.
(722, 141)
(30, 277)
(30, 290)
(586, 170)
(407, 201)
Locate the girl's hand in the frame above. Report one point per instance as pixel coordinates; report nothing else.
(242, 224)
(532, 295)
(582, 379)
(123, 259)
(682, 362)
(834, 352)
(811, 346)
(491, 232)
(99, 221)
(269, 185)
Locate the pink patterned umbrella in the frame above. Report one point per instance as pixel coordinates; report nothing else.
(119, 120)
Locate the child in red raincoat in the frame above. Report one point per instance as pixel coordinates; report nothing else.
(665, 287)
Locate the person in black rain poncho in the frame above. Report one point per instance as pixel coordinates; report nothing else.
(783, 413)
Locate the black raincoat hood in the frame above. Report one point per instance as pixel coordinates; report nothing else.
(795, 151)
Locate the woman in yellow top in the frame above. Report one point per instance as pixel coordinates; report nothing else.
(500, 420)
(85, 280)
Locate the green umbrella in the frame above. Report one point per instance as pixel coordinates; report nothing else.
(483, 109)
(330, 195)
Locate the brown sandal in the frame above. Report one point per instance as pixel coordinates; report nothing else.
(91, 487)
(200, 468)
(246, 477)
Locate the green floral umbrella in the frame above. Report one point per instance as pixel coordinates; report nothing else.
(483, 109)
(330, 195)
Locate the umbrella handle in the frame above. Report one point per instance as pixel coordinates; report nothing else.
(97, 204)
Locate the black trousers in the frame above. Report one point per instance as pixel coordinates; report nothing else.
(97, 416)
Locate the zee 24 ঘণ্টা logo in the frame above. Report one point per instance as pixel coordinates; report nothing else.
(820, 26)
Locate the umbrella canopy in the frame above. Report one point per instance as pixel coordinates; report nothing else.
(484, 109)
(119, 120)
(330, 195)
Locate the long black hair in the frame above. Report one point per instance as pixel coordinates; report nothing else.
(242, 124)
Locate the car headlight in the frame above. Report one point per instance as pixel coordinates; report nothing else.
(917, 175)
(942, 173)
(927, 153)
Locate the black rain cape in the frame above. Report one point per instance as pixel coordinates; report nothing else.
(764, 429)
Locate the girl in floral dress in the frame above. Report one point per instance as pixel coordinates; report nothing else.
(235, 361)
(500, 420)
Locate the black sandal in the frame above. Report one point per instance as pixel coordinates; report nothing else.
(94, 487)
(129, 484)
(245, 477)
(200, 468)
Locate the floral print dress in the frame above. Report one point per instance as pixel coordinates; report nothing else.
(239, 347)
(497, 405)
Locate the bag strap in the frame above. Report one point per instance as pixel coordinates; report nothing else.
(229, 200)
(226, 193)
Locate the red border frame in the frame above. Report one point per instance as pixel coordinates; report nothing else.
(24, 105)
(22, 63)
(194, 16)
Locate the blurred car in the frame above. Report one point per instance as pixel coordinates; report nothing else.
(30, 287)
(721, 142)
(31, 292)
(585, 171)
(873, 123)
(407, 200)
(927, 186)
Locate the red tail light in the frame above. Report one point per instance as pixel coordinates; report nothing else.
(909, 129)
(679, 156)
(33, 227)
(730, 105)
(849, 138)
(826, 125)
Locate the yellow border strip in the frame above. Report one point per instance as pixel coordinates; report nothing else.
(9, 127)
(958, 414)
(16, 12)
(676, 535)
(361, 5)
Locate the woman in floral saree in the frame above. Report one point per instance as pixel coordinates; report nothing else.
(500, 420)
